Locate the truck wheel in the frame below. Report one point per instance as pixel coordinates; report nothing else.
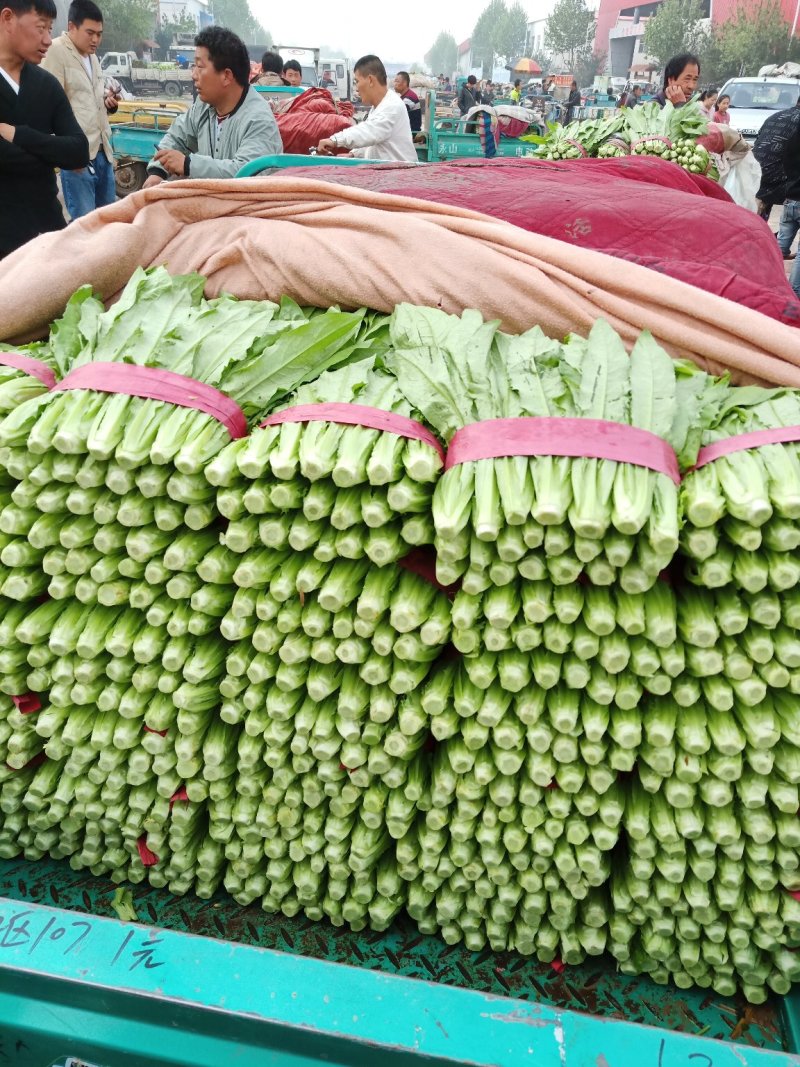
(129, 177)
(172, 90)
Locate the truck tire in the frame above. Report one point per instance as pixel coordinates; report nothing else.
(129, 177)
(172, 90)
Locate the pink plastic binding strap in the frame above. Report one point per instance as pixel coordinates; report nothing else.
(148, 858)
(558, 966)
(578, 145)
(153, 383)
(179, 794)
(27, 704)
(356, 415)
(29, 365)
(742, 441)
(577, 438)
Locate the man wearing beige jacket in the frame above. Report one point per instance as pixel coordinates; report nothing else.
(72, 60)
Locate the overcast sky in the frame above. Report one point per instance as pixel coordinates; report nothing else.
(397, 32)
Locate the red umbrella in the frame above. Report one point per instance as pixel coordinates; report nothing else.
(527, 66)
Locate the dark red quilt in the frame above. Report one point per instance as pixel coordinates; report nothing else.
(641, 209)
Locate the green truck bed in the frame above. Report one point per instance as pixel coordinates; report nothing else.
(79, 988)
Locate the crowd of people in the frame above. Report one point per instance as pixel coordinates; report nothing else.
(55, 106)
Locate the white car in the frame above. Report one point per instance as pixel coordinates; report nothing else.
(754, 99)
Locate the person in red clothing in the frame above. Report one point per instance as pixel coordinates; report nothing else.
(721, 115)
(402, 86)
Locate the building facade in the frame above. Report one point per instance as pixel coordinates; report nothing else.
(620, 30)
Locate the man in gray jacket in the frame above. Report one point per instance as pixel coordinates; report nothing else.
(229, 123)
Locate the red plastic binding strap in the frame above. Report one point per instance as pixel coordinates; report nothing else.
(422, 562)
(27, 704)
(179, 794)
(161, 733)
(579, 146)
(29, 365)
(558, 966)
(153, 383)
(794, 893)
(356, 415)
(742, 441)
(148, 858)
(36, 761)
(577, 438)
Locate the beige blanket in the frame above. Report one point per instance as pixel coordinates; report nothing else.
(324, 244)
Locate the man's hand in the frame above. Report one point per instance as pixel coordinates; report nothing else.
(326, 147)
(675, 94)
(171, 160)
(7, 132)
(111, 101)
(154, 179)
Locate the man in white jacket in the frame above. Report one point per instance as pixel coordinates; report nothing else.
(385, 133)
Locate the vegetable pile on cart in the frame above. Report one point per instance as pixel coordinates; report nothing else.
(351, 614)
(648, 130)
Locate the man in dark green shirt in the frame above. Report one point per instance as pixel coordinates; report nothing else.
(38, 131)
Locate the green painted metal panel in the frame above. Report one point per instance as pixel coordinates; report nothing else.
(126, 993)
(134, 1020)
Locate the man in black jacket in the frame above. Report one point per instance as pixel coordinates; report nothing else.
(777, 149)
(38, 131)
(469, 96)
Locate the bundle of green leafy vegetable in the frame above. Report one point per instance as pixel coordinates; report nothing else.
(340, 491)
(548, 518)
(579, 139)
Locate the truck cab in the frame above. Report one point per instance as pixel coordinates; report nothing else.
(338, 72)
(116, 64)
(308, 58)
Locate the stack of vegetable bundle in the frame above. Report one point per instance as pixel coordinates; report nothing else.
(651, 130)
(712, 828)
(332, 641)
(23, 376)
(249, 674)
(577, 140)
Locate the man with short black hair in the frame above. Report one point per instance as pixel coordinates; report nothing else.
(38, 131)
(292, 72)
(469, 95)
(385, 133)
(72, 60)
(228, 125)
(402, 86)
(271, 68)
